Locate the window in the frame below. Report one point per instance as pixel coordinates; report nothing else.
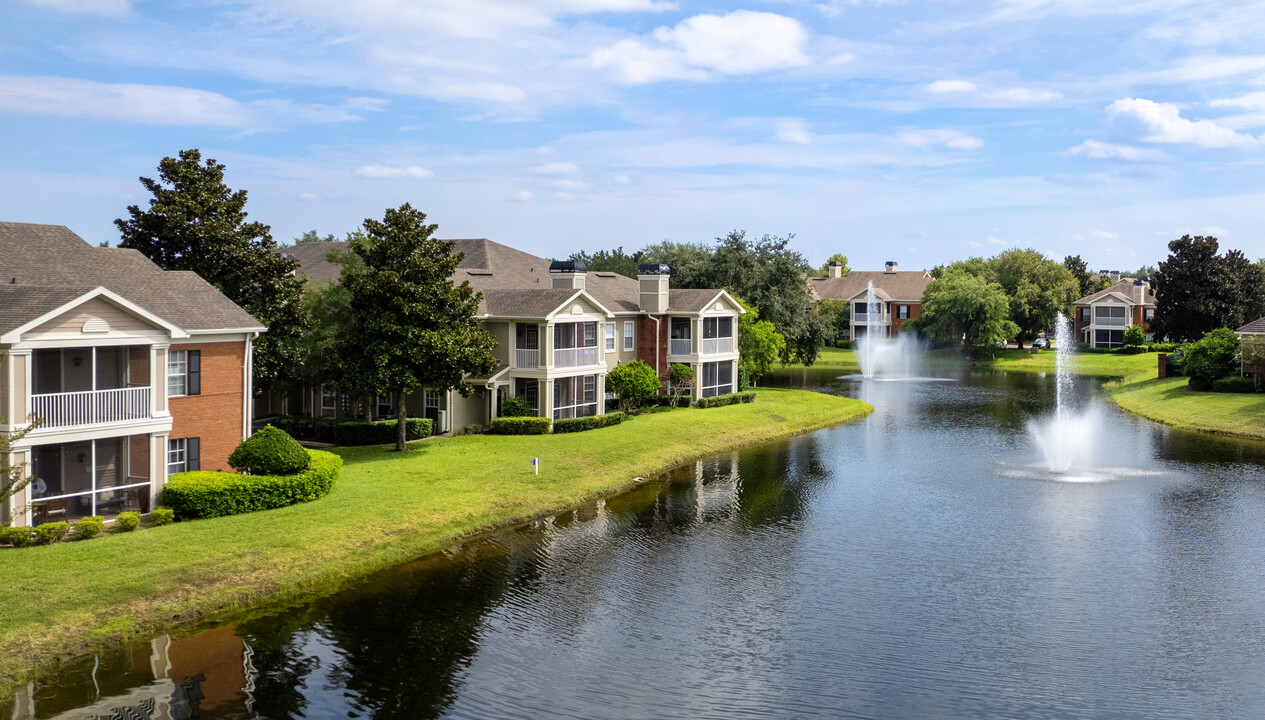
(718, 328)
(384, 409)
(718, 379)
(89, 477)
(610, 337)
(184, 372)
(1084, 314)
(572, 335)
(526, 336)
(1148, 314)
(1108, 338)
(574, 397)
(628, 334)
(902, 312)
(183, 455)
(590, 334)
(680, 328)
(528, 389)
(329, 402)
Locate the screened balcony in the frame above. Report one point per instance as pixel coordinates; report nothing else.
(91, 386)
(575, 345)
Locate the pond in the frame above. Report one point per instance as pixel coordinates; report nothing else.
(918, 563)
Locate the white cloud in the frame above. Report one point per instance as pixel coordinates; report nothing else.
(1096, 150)
(89, 7)
(147, 104)
(568, 184)
(556, 168)
(949, 138)
(1103, 235)
(309, 197)
(793, 131)
(388, 172)
(742, 42)
(1251, 101)
(524, 196)
(993, 96)
(951, 86)
(1149, 121)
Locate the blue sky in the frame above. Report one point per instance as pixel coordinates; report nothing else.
(919, 132)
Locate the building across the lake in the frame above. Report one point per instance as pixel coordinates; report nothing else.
(1102, 317)
(897, 292)
(559, 329)
(132, 372)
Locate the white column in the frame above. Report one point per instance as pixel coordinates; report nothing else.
(158, 377)
(601, 393)
(157, 467)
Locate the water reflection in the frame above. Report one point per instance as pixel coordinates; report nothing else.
(898, 567)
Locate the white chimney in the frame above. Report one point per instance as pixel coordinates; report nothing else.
(653, 281)
(568, 274)
(834, 269)
(889, 266)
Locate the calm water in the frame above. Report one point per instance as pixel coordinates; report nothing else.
(915, 564)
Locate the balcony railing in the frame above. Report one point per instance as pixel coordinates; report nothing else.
(679, 346)
(712, 346)
(1111, 321)
(91, 407)
(575, 357)
(529, 359)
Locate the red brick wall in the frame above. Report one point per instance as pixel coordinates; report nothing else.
(915, 310)
(138, 365)
(646, 343)
(215, 416)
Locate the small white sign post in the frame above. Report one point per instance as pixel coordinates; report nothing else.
(535, 463)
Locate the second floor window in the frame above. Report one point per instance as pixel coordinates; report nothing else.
(610, 337)
(572, 335)
(902, 312)
(628, 335)
(1148, 314)
(184, 372)
(1085, 314)
(680, 328)
(718, 327)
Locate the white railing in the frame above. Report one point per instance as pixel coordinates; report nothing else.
(524, 358)
(712, 346)
(575, 357)
(679, 346)
(863, 318)
(91, 407)
(1113, 321)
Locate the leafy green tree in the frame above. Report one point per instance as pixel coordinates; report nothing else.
(515, 406)
(1252, 356)
(615, 261)
(1134, 336)
(689, 262)
(1038, 290)
(312, 236)
(414, 328)
(759, 343)
(825, 267)
(634, 382)
(963, 307)
(680, 382)
(1244, 287)
(836, 313)
(805, 338)
(1213, 356)
(1088, 282)
(13, 476)
(195, 222)
(1198, 290)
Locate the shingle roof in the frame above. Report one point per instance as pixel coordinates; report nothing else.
(532, 303)
(690, 301)
(42, 262)
(902, 285)
(1256, 327)
(1124, 287)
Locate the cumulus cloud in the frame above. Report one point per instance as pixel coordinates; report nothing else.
(948, 138)
(793, 131)
(951, 86)
(1150, 121)
(993, 95)
(388, 172)
(743, 42)
(1096, 150)
(556, 168)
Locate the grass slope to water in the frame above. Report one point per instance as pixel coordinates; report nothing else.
(1169, 402)
(1094, 364)
(63, 600)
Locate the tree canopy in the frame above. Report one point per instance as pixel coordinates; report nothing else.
(1038, 290)
(1088, 282)
(195, 222)
(759, 343)
(1198, 290)
(962, 306)
(615, 261)
(414, 328)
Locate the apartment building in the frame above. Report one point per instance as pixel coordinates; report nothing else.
(132, 373)
(897, 297)
(559, 330)
(1102, 317)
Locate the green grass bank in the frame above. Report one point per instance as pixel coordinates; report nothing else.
(63, 600)
(1168, 401)
(1092, 364)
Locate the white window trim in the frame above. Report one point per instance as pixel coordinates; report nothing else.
(183, 356)
(610, 337)
(629, 335)
(181, 446)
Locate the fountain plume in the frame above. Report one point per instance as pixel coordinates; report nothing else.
(1067, 439)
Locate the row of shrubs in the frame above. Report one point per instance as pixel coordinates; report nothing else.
(206, 494)
(746, 396)
(350, 432)
(1228, 384)
(89, 527)
(540, 425)
(1129, 349)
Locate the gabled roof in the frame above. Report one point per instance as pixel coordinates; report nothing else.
(13, 334)
(41, 264)
(901, 285)
(696, 301)
(1122, 289)
(1256, 327)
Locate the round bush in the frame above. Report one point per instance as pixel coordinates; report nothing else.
(1200, 384)
(270, 451)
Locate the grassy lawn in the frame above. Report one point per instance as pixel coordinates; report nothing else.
(1095, 364)
(63, 600)
(1169, 402)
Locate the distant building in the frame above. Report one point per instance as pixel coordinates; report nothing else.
(898, 294)
(1102, 317)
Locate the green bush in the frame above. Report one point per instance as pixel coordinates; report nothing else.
(161, 516)
(127, 521)
(591, 422)
(270, 451)
(18, 536)
(515, 406)
(845, 344)
(1162, 347)
(520, 426)
(89, 527)
(1212, 356)
(1199, 384)
(302, 427)
(634, 382)
(1134, 336)
(52, 532)
(1233, 384)
(204, 494)
(378, 432)
(729, 399)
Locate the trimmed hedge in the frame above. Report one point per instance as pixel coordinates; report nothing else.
(127, 521)
(270, 451)
(746, 396)
(89, 527)
(52, 532)
(161, 516)
(18, 536)
(303, 427)
(378, 432)
(591, 422)
(520, 426)
(1233, 384)
(205, 494)
(1199, 384)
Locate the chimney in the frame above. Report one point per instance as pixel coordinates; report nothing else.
(835, 269)
(568, 274)
(890, 266)
(653, 280)
(1114, 276)
(1141, 289)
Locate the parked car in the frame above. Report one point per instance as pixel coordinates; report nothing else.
(1041, 343)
